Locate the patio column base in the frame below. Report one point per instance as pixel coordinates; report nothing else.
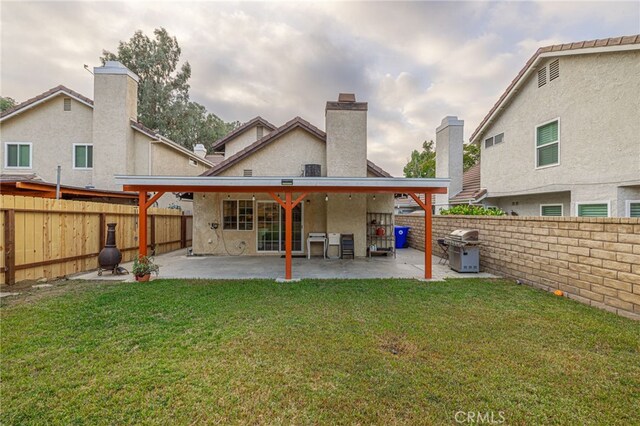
(287, 280)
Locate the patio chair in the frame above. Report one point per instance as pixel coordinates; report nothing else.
(347, 246)
(444, 247)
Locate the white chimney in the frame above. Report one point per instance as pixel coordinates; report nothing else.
(200, 150)
(449, 152)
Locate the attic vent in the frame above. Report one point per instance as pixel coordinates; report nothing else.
(260, 132)
(312, 170)
(554, 70)
(67, 104)
(193, 162)
(542, 77)
(248, 173)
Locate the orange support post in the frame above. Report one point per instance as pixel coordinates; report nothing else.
(288, 223)
(426, 206)
(142, 223)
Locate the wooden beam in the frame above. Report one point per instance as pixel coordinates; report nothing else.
(428, 273)
(300, 198)
(154, 199)
(288, 225)
(278, 200)
(142, 223)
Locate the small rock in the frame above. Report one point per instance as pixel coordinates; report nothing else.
(2, 294)
(42, 285)
(42, 280)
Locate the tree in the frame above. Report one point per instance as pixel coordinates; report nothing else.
(163, 90)
(470, 156)
(6, 103)
(422, 164)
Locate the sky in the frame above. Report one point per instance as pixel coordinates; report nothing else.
(413, 62)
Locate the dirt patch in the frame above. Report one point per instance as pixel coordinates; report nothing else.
(30, 294)
(397, 344)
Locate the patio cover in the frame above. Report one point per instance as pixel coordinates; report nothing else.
(274, 185)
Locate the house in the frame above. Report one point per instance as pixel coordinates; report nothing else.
(91, 139)
(253, 223)
(562, 140)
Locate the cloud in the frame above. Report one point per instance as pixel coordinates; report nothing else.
(414, 62)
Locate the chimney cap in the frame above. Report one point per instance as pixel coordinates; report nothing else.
(115, 67)
(347, 97)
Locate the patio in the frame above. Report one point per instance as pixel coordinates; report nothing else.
(409, 263)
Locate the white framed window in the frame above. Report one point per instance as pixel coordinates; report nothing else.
(551, 210)
(633, 208)
(547, 144)
(593, 209)
(82, 156)
(237, 215)
(18, 155)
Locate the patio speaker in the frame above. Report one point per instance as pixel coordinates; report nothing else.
(312, 170)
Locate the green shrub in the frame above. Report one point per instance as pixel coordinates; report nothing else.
(469, 210)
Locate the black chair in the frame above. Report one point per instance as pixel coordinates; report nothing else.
(444, 247)
(347, 246)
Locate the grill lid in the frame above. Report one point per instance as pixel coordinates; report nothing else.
(464, 235)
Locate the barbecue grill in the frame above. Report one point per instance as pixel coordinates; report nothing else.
(464, 250)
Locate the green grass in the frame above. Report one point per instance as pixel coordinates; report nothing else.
(318, 351)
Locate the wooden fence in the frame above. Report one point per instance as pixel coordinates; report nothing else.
(44, 238)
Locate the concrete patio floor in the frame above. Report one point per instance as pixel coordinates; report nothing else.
(409, 263)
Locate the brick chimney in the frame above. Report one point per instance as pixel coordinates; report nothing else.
(115, 103)
(449, 152)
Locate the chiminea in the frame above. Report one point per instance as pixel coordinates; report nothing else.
(110, 257)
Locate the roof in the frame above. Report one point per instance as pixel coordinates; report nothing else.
(168, 142)
(471, 190)
(215, 158)
(278, 183)
(582, 47)
(42, 97)
(32, 185)
(241, 129)
(295, 123)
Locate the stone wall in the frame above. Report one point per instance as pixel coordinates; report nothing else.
(593, 260)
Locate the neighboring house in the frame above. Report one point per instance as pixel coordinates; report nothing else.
(254, 223)
(92, 140)
(563, 139)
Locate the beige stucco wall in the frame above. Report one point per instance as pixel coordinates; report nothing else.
(52, 133)
(346, 143)
(597, 100)
(529, 205)
(284, 157)
(243, 140)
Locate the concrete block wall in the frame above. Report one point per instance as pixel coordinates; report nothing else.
(593, 260)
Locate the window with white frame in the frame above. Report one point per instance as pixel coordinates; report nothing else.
(550, 209)
(18, 155)
(593, 209)
(82, 156)
(237, 215)
(548, 144)
(633, 208)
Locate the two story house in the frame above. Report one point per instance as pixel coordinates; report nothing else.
(562, 140)
(91, 139)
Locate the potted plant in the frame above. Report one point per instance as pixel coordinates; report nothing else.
(143, 266)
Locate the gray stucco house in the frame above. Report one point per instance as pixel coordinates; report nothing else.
(562, 140)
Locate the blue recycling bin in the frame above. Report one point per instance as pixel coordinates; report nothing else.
(401, 236)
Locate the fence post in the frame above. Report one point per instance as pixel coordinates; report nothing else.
(10, 247)
(183, 231)
(103, 235)
(153, 234)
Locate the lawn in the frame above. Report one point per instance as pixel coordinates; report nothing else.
(318, 351)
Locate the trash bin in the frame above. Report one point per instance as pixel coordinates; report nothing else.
(401, 236)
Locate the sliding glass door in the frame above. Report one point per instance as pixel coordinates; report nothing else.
(271, 227)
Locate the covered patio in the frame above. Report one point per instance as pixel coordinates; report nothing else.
(409, 263)
(293, 190)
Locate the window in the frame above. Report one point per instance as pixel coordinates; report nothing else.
(237, 215)
(82, 156)
(550, 209)
(593, 210)
(633, 208)
(18, 155)
(542, 77)
(547, 144)
(554, 70)
(488, 142)
(498, 138)
(67, 104)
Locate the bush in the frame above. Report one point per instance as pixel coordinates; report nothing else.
(469, 210)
